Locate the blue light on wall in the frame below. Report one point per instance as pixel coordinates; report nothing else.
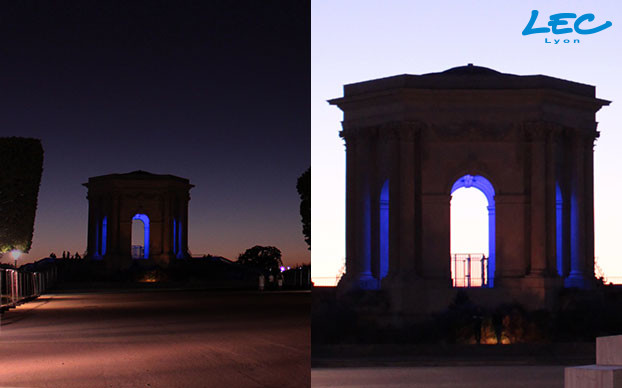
(175, 235)
(384, 230)
(145, 220)
(100, 238)
(576, 276)
(559, 205)
(483, 185)
(179, 239)
(97, 254)
(104, 234)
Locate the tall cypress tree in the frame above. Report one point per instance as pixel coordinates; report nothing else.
(21, 166)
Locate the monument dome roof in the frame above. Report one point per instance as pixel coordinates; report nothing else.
(466, 77)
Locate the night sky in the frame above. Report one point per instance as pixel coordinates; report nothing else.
(216, 92)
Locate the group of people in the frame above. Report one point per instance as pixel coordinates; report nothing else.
(66, 255)
(274, 282)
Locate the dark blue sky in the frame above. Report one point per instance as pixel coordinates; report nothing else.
(216, 92)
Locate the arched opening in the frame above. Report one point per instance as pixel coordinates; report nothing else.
(472, 232)
(384, 230)
(140, 236)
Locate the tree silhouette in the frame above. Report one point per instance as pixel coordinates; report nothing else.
(265, 259)
(20, 176)
(304, 190)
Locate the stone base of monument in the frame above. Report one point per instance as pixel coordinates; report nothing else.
(593, 376)
(609, 350)
(607, 373)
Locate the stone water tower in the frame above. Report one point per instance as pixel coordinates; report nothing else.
(159, 202)
(526, 142)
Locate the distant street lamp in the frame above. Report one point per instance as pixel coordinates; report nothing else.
(16, 253)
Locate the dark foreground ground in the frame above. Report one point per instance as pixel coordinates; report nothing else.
(546, 376)
(158, 338)
(449, 365)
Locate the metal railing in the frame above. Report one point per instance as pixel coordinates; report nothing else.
(138, 251)
(469, 270)
(18, 286)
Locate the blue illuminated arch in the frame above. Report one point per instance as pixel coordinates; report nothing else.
(483, 185)
(384, 230)
(97, 254)
(145, 219)
(559, 221)
(101, 231)
(104, 235)
(179, 241)
(175, 243)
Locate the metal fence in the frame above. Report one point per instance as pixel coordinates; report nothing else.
(18, 286)
(299, 278)
(138, 251)
(469, 270)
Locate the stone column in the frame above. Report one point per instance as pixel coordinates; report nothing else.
(406, 208)
(511, 212)
(167, 224)
(92, 228)
(565, 177)
(363, 212)
(435, 249)
(351, 264)
(536, 136)
(184, 223)
(589, 206)
(551, 205)
(577, 214)
(394, 201)
(492, 245)
(375, 188)
(115, 247)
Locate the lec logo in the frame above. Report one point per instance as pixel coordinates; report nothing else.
(556, 21)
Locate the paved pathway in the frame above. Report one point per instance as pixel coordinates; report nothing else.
(158, 339)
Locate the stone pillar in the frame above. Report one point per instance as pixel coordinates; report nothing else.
(407, 136)
(492, 245)
(537, 209)
(577, 214)
(589, 206)
(125, 237)
(115, 247)
(363, 213)
(565, 177)
(436, 258)
(375, 189)
(167, 224)
(511, 210)
(551, 205)
(351, 265)
(184, 223)
(395, 267)
(91, 243)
